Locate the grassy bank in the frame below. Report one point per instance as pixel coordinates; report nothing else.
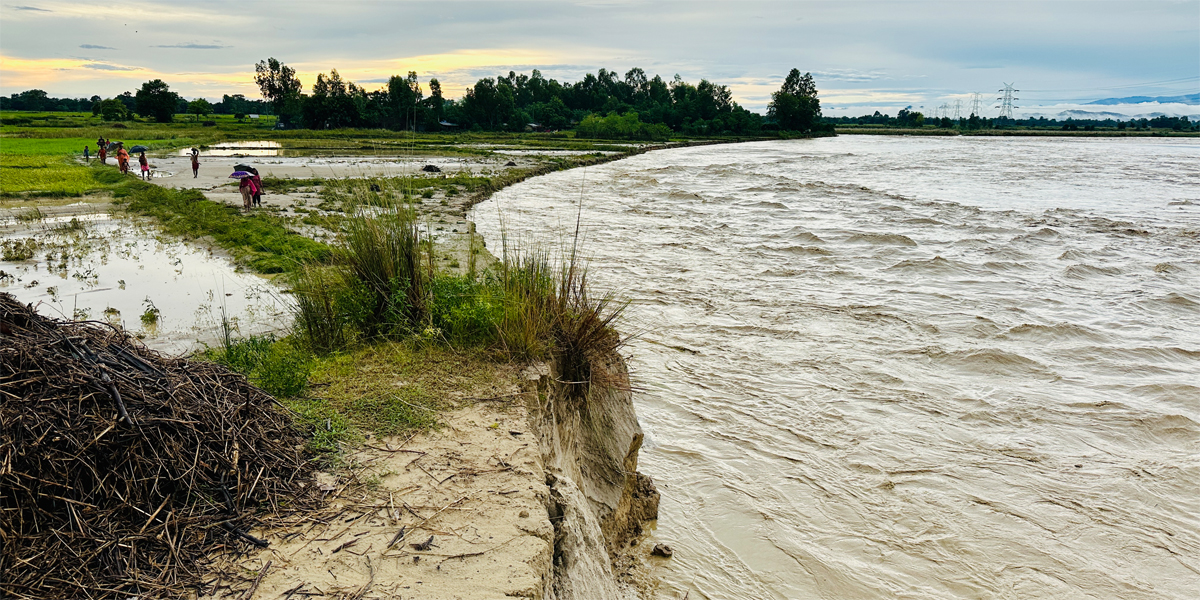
(261, 241)
(383, 340)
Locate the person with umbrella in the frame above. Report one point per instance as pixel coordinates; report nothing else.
(195, 163)
(246, 187)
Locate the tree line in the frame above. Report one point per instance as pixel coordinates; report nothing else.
(908, 118)
(40, 101)
(518, 102)
(604, 104)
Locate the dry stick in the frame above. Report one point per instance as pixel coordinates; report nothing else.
(151, 519)
(254, 586)
(116, 396)
(396, 538)
(288, 594)
(394, 451)
(422, 523)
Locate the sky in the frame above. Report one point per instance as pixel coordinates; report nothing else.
(864, 56)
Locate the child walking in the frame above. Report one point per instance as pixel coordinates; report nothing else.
(145, 166)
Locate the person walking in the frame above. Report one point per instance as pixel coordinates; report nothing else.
(122, 158)
(145, 164)
(87, 157)
(245, 187)
(103, 152)
(195, 163)
(258, 188)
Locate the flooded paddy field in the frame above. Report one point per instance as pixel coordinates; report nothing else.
(83, 261)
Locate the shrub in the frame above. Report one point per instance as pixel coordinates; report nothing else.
(276, 366)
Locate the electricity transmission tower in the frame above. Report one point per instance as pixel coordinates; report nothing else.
(977, 104)
(957, 109)
(1006, 101)
(943, 111)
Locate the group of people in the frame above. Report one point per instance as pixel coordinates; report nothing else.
(251, 186)
(122, 157)
(251, 189)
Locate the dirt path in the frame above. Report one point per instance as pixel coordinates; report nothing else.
(476, 487)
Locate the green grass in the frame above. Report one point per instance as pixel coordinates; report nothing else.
(384, 388)
(261, 241)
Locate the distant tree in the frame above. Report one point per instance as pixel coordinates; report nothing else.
(488, 104)
(403, 101)
(199, 107)
(795, 106)
(113, 110)
(156, 99)
(435, 103)
(278, 84)
(35, 100)
(129, 101)
(334, 103)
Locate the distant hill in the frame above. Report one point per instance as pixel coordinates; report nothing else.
(1184, 99)
(1101, 115)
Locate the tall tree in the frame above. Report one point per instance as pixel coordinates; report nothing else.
(403, 99)
(156, 99)
(278, 84)
(795, 106)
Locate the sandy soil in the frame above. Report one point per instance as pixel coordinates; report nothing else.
(475, 487)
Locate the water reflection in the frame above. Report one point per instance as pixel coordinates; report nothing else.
(242, 148)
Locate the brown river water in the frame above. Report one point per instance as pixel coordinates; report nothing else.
(885, 367)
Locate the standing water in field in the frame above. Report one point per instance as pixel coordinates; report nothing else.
(906, 367)
(172, 295)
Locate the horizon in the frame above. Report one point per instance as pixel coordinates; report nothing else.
(865, 56)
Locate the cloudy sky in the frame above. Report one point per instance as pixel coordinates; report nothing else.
(864, 55)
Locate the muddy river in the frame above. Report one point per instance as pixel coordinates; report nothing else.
(885, 367)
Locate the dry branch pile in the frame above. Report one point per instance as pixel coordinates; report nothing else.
(121, 469)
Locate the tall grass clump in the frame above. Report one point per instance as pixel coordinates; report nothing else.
(321, 321)
(527, 284)
(583, 332)
(383, 251)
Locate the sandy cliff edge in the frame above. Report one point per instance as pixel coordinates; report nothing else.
(533, 495)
